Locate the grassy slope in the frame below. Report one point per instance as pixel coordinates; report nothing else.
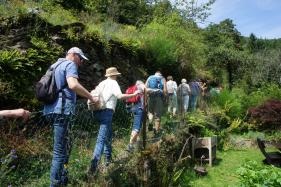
(79, 163)
(223, 173)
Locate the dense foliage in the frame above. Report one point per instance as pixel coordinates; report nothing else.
(153, 35)
(251, 174)
(267, 115)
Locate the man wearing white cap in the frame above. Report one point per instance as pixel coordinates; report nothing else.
(60, 112)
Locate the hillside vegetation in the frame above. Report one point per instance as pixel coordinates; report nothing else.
(138, 37)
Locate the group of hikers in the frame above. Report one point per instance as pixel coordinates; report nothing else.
(60, 111)
(184, 96)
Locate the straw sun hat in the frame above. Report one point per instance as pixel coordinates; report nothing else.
(111, 72)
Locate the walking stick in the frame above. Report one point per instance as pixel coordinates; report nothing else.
(144, 117)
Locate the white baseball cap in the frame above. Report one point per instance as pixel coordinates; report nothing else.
(77, 51)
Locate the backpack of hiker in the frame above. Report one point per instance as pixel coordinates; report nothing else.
(195, 88)
(132, 90)
(156, 82)
(183, 90)
(46, 89)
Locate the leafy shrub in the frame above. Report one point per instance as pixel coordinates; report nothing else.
(171, 41)
(231, 102)
(201, 124)
(239, 126)
(252, 174)
(12, 8)
(159, 45)
(161, 164)
(28, 66)
(56, 14)
(267, 115)
(236, 102)
(221, 119)
(260, 95)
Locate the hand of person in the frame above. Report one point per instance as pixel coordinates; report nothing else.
(94, 99)
(24, 114)
(137, 92)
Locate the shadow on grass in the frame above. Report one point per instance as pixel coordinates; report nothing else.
(217, 162)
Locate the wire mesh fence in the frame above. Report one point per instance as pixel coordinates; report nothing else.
(34, 139)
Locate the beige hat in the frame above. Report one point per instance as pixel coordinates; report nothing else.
(111, 71)
(183, 81)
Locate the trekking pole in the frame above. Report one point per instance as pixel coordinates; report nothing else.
(182, 105)
(144, 117)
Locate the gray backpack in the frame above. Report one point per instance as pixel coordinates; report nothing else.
(183, 90)
(46, 89)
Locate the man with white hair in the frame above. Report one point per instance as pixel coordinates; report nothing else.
(183, 93)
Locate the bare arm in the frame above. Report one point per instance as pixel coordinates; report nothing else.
(188, 89)
(146, 83)
(127, 96)
(16, 113)
(74, 85)
(164, 86)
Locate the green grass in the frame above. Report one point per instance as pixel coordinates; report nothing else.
(223, 173)
(78, 164)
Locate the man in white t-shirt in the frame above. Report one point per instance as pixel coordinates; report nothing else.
(111, 91)
(172, 95)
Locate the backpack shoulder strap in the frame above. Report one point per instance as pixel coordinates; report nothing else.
(65, 85)
(55, 67)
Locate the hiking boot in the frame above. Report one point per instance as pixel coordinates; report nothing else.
(93, 168)
(107, 162)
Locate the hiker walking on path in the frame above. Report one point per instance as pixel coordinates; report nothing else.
(136, 107)
(183, 93)
(110, 92)
(172, 95)
(195, 92)
(157, 84)
(60, 111)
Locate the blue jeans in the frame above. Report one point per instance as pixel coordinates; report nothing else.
(62, 147)
(138, 114)
(193, 102)
(104, 139)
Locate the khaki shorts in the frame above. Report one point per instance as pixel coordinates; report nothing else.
(155, 105)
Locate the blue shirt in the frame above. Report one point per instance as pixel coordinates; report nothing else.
(66, 69)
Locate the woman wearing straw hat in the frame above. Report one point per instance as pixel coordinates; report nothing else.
(110, 92)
